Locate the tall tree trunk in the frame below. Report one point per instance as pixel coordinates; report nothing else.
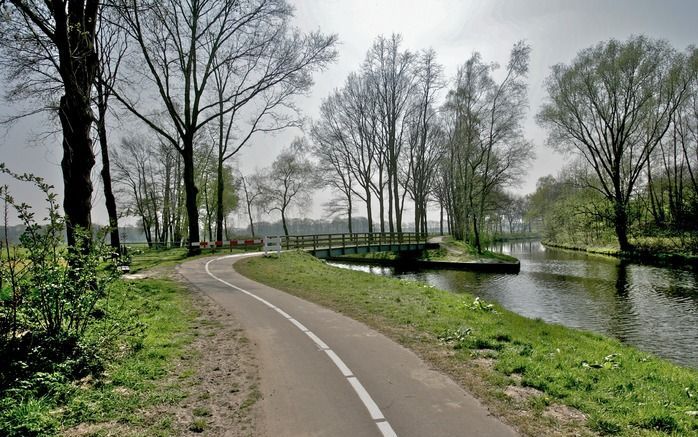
(191, 192)
(476, 232)
(441, 218)
(390, 205)
(398, 203)
(109, 200)
(369, 210)
(621, 225)
(219, 200)
(76, 118)
(283, 221)
(167, 199)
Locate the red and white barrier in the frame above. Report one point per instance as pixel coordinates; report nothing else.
(234, 243)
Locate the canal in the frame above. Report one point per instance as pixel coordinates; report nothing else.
(652, 308)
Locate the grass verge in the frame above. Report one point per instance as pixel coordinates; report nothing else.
(542, 378)
(149, 258)
(134, 378)
(648, 253)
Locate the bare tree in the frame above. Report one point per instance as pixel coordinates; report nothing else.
(486, 146)
(135, 175)
(183, 44)
(110, 46)
(49, 48)
(612, 105)
(390, 75)
(290, 180)
(250, 186)
(346, 143)
(425, 136)
(334, 152)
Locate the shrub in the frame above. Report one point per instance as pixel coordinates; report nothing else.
(48, 292)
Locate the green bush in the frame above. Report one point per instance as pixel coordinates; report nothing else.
(49, 296)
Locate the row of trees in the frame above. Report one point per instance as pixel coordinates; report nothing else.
(383, 137)
(184, 68)
(628, 111)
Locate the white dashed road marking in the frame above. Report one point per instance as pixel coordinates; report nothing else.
(375, 412)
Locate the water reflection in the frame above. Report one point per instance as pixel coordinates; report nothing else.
(653, 308)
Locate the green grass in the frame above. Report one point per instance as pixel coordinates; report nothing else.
(620, 389)
(135, 378)
(468, 253)
(149, 258)
(389, 256)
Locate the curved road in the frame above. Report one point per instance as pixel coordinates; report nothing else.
(324, 374)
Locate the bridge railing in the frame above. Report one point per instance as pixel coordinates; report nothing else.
(318, 241)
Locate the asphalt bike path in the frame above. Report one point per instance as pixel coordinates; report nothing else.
(324, 374)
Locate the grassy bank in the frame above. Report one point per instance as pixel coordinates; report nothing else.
(149, 324)
(543, 378)
(646, 251)
(458, 251)
(450, 250)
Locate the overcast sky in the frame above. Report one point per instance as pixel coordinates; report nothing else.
(556, 31)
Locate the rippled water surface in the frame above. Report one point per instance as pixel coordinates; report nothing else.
(653, 308)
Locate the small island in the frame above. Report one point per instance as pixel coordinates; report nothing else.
(441, 252)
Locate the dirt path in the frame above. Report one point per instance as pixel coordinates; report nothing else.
(220, 373)
(224, 386)
(440, 241)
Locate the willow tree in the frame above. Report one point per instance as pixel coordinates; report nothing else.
(612, 105)
(48, 49)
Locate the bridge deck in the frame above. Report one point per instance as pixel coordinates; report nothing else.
(330, 245)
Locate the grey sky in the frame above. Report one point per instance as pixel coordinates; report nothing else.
(556, 31)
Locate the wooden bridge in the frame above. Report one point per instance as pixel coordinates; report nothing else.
(331, 245)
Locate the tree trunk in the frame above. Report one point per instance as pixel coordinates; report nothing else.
(283, 221)
(476, 232)
(390, 205)
(621, 224)
(76, 118)
(369, 210)
(191, 192)
(441, 218)
(349, 214)
(109, 200)
(219, 200)
(166, 203)
(398, 203)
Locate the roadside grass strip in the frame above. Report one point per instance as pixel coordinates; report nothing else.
(498, 355)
